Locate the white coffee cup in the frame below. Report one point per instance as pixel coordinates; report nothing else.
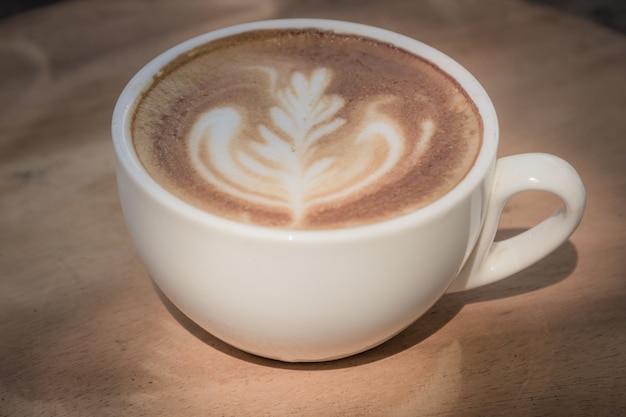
(298, 295)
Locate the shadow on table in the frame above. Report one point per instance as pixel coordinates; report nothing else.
(549, 271)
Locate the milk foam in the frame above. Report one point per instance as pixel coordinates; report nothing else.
(305, 129)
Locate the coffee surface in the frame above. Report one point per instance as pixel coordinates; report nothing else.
(305, 129)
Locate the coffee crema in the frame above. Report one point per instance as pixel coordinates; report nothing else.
(305, 129)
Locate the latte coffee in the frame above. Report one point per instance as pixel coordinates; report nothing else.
(305, 129)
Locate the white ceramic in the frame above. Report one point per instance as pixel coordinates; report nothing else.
(321, 295)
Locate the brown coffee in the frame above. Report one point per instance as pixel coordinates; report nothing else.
(305, 129)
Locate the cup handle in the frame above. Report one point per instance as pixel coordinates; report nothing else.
(491, 261)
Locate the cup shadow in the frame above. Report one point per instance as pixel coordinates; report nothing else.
(549, 271)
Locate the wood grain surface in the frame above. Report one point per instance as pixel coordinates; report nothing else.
(83, 332)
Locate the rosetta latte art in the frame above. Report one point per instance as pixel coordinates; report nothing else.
(284, 165)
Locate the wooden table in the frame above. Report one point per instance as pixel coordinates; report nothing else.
(83, 332)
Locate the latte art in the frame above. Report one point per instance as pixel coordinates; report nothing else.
(284, 166)
(305, 129)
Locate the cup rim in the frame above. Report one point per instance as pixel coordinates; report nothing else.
(129, 161)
